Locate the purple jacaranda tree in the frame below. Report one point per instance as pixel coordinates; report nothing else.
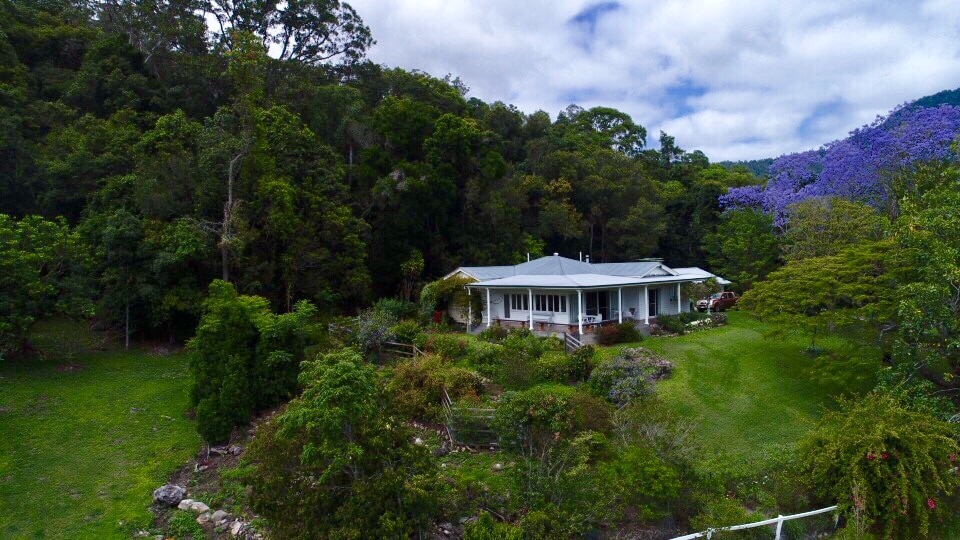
(863, 167)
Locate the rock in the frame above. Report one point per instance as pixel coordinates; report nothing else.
(497, 467)
(199, 507)
(204, 518)
(218, 450)
(443, 450)
(169, 494)
(185, 504)
(235, 449)
(237, 528)
(141, 534)
(218, 516)
(418, 441)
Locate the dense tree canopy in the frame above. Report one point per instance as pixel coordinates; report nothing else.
(181, 152)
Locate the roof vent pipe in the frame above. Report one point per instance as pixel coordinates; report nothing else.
(528, 256)
(581, 256)
(555, 254)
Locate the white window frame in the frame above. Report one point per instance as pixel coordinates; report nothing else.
(555, 303)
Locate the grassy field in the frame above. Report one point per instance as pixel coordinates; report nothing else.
(83, 448)
(746, 394)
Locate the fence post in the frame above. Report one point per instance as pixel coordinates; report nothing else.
(779, 526)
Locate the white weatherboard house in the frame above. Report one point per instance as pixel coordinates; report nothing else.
(560, 294)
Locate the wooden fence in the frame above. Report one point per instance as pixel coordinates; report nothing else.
(394, 349)
(571, 343)
(778, 521)
(468, 426)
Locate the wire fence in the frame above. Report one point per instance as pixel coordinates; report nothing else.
(468, 426)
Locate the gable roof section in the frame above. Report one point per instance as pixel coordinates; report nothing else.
(553, 266)
(634, 269)
(483, 273)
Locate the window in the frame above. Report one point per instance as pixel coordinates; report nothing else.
(550, 302)
(519, 301)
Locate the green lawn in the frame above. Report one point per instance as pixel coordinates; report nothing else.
(81, 451)
(745, 394)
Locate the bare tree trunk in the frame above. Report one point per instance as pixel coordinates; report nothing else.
(225, 230)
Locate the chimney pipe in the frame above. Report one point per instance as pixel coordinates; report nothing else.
(588, 258)
(581, 256)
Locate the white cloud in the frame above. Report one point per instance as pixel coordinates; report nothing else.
(737, 80)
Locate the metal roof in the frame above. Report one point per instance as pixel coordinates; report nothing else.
(483, 273)
(635, 269)
(562, 273)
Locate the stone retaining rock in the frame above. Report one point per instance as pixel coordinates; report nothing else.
(169, 494)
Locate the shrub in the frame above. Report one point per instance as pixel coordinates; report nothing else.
(628, 376)
(625, 332)
(447, 346)
(396, 308)
(590, 413)
(553, 367)
(416, 386)
(486, 358)
(485, 528)
(183, 526)
(374, 330)
(652, 424)
(608, 335)
(582, 363)
(888, 467)
(338, 464)
(521, 350)
(672, 324)
(534, 419)
(408, 331)
(462, 382)
(642, 481)
(494, 334)
(723, 512)
(244, 358)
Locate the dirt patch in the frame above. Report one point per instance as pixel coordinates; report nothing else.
(72, 367)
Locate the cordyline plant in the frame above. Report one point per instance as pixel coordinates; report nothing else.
(889, 468)
(863, 167)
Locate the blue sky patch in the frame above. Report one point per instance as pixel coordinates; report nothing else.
(585, 22)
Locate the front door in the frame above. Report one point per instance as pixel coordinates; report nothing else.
(653, 300)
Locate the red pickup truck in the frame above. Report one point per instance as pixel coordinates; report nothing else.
(718, 301)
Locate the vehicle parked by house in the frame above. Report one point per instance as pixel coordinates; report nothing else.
(718, 301)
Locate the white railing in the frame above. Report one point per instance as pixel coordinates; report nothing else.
(778, 521)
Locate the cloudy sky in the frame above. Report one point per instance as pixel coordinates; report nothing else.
(738, 80)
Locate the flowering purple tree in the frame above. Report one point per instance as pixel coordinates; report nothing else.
(862, 167)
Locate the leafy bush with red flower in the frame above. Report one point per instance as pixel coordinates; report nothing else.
(884, 464)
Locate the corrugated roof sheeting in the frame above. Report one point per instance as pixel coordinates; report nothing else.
(561, 272)
(635, 269)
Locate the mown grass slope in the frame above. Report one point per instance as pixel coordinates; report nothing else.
(747, 394)
(82, 448)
